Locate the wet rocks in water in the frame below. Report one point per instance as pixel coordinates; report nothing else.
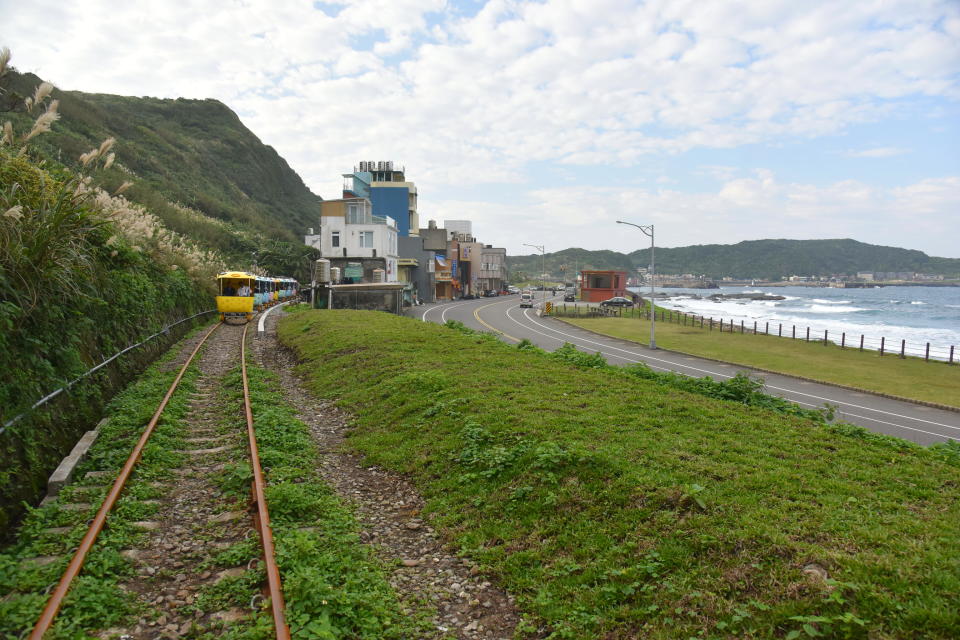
(745, 296)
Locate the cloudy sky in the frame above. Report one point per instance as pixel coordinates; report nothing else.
(545, 122)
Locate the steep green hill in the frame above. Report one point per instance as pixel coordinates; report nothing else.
(196, 153)
(566, 261)
(766, 259)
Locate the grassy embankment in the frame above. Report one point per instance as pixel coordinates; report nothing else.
(615, 505)
(907, 377)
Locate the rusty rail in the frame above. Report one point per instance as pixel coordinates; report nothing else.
(73, 569)
(262, 517)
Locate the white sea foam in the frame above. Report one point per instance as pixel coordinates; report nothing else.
(820, 308)
(917, 302)
(866, 312)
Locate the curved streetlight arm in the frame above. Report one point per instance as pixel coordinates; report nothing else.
(648, 230)
(540, 248)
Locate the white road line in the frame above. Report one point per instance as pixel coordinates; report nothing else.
(443, 316)
(900, 426)
(809, 395)
(426, 311)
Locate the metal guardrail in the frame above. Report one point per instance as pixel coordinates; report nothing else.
(50, 396)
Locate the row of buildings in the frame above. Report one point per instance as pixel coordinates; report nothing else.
(373, 234)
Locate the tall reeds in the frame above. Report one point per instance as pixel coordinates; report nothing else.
(51, 230)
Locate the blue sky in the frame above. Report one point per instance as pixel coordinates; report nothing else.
(545, 122)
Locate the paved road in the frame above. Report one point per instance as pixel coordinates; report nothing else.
(924, 425)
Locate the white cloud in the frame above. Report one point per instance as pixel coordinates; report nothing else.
(878, 152)
(922, 214)
(483, 98)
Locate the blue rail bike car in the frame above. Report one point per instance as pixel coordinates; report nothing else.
(235, 299)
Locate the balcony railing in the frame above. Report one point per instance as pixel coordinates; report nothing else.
(365, 217)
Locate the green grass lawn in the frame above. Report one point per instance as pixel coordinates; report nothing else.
(617, 507)
(907, 377)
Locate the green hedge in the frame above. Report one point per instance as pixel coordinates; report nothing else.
(71, 295)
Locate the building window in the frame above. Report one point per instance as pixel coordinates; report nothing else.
(366, 239)
(335, 239)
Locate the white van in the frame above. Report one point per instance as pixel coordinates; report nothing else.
(526, 300)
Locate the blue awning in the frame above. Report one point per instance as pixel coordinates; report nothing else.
(440, 261)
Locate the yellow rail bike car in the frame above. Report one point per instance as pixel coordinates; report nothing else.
(236, 294)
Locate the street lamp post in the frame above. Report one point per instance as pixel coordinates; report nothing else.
(648, 230)
(543, 287)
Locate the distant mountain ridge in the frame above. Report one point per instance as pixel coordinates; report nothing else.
(761, 259)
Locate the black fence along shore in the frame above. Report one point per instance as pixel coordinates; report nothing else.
(883, 345)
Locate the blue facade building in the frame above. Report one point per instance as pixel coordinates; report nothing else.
(389, 192)
(393, 202)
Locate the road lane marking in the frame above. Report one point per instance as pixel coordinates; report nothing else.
(476, 314)
(900, 426)
(809, 395)
(443, 316)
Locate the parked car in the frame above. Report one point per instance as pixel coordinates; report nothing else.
(468, 296)
(526, 300)
(569, 298)
(491, 293)
(617, 301)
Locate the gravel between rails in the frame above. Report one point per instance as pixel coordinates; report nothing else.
(193, 521)
(468, 605)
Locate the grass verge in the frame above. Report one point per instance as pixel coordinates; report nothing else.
(908, 377)
(334, 586)
(615, 506)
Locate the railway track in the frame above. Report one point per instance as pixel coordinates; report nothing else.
(188, 521)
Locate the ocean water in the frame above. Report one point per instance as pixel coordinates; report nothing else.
(916, 314)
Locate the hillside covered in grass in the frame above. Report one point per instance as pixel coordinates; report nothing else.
(615, 505)
(84, 274)
(191, 162)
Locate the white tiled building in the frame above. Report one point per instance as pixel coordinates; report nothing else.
(349, 230)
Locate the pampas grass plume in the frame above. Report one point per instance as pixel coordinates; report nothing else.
(43, 123)
(4, 59)
(126, 185)
(41, 93)
(105, 146)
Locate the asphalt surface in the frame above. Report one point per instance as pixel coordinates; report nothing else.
(915, 422)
